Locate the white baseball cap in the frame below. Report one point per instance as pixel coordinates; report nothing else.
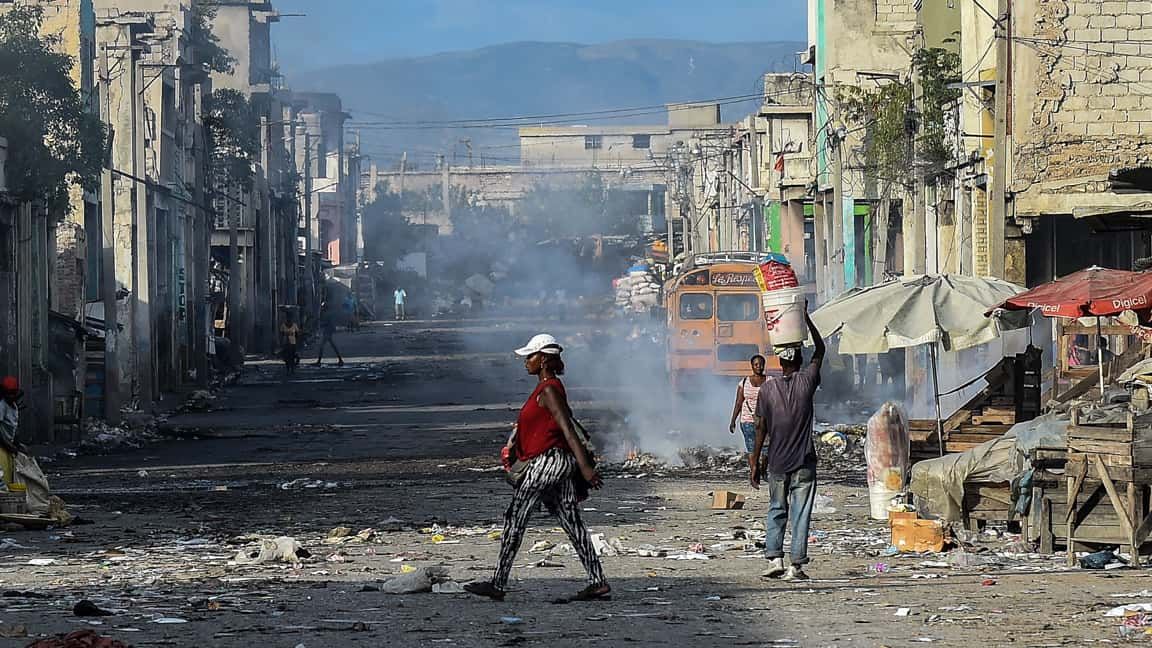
(542, 343)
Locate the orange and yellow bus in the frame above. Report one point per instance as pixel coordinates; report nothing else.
(715, 319)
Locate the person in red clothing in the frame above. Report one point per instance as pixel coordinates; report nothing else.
(547, 439)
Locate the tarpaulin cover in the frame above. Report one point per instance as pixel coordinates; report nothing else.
(1089, 293)
(938, 484)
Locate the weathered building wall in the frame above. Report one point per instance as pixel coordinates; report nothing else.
(588, 147)
(1082, 105)
(497, 186)
(863, 44)
(68, 288)
(785, 136)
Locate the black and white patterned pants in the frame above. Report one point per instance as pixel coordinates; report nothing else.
(548, 479)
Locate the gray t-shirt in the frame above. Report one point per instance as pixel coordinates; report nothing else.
(785, 404)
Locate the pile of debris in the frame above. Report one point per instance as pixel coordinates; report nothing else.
(200, 400)
(697, 459)
(715, 459)
(840, 448)
(136, 431)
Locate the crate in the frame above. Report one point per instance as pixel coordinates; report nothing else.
(1107, 471)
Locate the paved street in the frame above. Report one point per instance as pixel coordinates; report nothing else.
(403, 439)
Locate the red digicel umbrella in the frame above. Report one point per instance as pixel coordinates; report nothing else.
(1094, 292)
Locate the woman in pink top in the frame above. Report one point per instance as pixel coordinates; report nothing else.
(744, 410)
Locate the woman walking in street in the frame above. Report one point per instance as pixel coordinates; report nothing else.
(745, 408)
(547, 440)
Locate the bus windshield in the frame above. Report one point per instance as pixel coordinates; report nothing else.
(695, 306)
(740, 307)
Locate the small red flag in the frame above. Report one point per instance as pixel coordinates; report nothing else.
(779, 166)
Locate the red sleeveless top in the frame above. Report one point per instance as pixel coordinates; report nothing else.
(537, 430)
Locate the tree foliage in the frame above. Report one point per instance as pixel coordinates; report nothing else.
(903, 131)
(54, 140)
(205, 42)
(592, 207)
(937, 69)
(233, 137)
(388, 234)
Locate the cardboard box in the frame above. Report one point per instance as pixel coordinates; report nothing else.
(901, 516)
(915, 536)
(727, 500)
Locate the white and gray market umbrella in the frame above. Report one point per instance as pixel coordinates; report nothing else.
(910, 311)
(944, 310)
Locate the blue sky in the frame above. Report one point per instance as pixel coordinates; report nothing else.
(342, 31)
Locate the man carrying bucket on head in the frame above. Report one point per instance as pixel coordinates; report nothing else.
(784, 416)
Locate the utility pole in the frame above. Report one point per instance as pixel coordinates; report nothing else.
(836, 217)
(403, 169)
(446, 181)
(998, 193)
(308, 243)
(270, 257)
(756, 226)
(141, 248)
(108, 264)
(915, 231)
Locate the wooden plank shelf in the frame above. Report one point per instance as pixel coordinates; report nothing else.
(1107, 469)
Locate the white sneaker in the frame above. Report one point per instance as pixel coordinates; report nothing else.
(775, 568)
(795, 572)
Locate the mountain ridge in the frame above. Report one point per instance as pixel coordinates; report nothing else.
(535, 77)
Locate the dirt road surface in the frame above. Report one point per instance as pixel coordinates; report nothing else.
(403, 441)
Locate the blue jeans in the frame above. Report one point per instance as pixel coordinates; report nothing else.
(749, 431)
(793, 495)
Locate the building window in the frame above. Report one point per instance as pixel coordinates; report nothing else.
(593, 142)
(641, 141)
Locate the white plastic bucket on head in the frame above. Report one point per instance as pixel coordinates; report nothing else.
(879, 499)
(784, 316)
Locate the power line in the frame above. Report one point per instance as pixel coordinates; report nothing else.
(525, 124)
(986, 12)
(530, 121)
(557, 115)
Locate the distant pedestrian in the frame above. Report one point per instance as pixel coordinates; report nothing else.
(289, 338)
(784, 416)
(400, 297)
(10, 397)
(352, 312)
(744, 411)
(327, 333)
(10, 447)
(557, 464)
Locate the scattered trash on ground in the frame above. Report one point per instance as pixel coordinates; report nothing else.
(722, 499)
(417, 581)
(79, 639)
(282, 549)
(87, 608)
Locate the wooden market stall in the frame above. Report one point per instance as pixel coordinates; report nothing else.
(1108, 471)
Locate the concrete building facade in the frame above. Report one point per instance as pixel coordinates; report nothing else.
(864, 44)
(160, 210)
(1077, 141)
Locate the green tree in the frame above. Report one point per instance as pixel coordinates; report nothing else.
(592, 207)
(388, 235)
(900, 130)
(54, 139)
(205, 42)
(233, 137)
